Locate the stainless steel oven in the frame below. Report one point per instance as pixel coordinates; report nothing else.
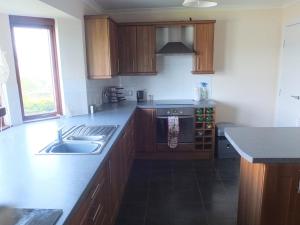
(186, 124)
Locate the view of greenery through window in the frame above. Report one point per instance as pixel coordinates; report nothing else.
(33, 49)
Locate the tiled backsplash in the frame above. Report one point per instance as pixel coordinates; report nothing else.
(173, 81)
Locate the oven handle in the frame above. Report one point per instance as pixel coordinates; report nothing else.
(181, 117)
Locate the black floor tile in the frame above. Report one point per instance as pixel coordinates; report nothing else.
(130, 221)
(187, 196)
(220, 210)
(213, 192)
(133, 210)
(221, 221)
(158, 214)
(135, 195)
(181, 192)
(188, 214)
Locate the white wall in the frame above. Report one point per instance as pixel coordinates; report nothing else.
(95, 88)
(72, 65)
(71, 51)
(290, 16)
(247, 46)
(11, 89)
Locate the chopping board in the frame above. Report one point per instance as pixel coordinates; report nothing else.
(30, 216)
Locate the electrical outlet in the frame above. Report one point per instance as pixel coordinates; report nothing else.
(298, 122)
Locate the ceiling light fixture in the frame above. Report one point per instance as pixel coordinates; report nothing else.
(199, 3)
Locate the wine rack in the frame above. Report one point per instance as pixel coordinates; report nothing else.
(205, 129)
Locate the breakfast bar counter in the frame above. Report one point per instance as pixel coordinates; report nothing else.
(269, 175)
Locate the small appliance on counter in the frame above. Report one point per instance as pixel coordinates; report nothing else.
(113, 94)
(141, 96)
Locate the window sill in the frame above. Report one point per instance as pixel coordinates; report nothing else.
(42, 119)
(5, 128)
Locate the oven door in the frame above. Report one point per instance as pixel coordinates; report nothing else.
(186, 129)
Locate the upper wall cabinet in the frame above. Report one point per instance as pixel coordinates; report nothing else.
(146, 46)
(127, 49)
(137, 49)
(102, 47)
(204, 48)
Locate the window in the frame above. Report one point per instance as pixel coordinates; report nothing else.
(36, 66)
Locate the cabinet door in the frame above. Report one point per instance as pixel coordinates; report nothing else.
(146, 130)
(294, 217)
(97, 47)
(146, 41)
(204, 47)
(281, 205)
(114, 49)
(115, 177)
(101, 47)
(94, 209)
(127, 49)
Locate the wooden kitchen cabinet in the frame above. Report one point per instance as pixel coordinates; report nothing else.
(145, 130)
(94, 209)
(269, 194)
(204, 48)
(115, 181)
(146, 47)
(101, 202)
(101, 47)
(127, 49)
(137, 46)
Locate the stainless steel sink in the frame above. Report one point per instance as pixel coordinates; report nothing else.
(86, 138)
(74, 148)
(80, 140)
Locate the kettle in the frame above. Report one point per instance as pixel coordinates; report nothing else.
(141, 96)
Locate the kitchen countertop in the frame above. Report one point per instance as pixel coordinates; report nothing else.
(28, 180)
(266, 145)
(176, 104)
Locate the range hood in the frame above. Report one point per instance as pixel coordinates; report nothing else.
(175, 44)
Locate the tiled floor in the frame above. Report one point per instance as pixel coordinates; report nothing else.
(181, 193)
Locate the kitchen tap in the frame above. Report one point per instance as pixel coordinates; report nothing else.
(60, 135)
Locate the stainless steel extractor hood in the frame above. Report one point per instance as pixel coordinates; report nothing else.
(175, 44)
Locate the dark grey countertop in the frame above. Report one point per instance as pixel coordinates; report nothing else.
(266, 145)
(28, 180)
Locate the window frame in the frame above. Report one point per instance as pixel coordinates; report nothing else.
(37, 22)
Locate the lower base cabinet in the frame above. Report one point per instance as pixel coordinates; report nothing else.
(100, 204)
(94, 208)
(269, 194)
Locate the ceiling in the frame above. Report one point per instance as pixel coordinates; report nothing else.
(135, 4)
(29, 8)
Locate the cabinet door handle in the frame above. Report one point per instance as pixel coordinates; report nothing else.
(298, 188)
(99, 208)
(133, 65)
(95, 191)
(109, 167)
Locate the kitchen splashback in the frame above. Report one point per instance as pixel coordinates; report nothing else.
(173, 81)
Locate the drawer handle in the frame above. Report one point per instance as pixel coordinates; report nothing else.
(99, 209)
(95, 191)
(298, 189)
